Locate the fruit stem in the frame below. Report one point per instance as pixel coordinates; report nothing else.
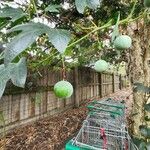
(63, 67)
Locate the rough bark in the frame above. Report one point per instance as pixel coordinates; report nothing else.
(139, 71)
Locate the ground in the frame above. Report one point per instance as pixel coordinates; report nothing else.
(51, 133)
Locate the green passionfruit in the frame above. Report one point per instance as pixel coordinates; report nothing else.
(101, 65)
(122, 42)
(63, 89)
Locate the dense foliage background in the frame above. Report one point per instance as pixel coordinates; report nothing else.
(65, 33)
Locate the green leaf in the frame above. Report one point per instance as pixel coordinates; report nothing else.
(53, 8)
(4, 72)
(142, 146)
(139, 87)
(147, 118)
(2, 87)
(137, 141)
(93, 4)
(1, 55)
(59, 38)
(80, 5)
(12, 13)
(17, 45)
(19, 73)
(30, 32)
(3, 23)
(4, 77)
(116, 30)
(147, 107)
(145, 131)
(148, 146)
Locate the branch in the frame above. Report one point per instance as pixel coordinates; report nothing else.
(132, 10)
(107, 25)
(96, 29)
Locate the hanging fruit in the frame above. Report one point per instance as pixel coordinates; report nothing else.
(63, 89)
(122, 42)
(101, 65)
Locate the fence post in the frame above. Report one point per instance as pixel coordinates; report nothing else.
(100, 84)
(126, 82)
(113, 82)
(120, 82)
(76, 87)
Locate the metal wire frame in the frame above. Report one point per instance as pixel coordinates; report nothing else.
(108, 105)
(107, 117)
(99, 138)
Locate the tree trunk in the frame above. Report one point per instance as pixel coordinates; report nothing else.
(139, 72)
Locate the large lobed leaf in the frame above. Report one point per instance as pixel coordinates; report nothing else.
(81, 5)
(29, 33)
(12, 13)
(17, 72)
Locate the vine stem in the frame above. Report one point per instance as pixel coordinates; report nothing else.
(84, 28)
(35, 8)
(96, 29)
(107, 25)
(132, 10)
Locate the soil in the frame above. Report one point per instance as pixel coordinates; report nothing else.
(51, 133)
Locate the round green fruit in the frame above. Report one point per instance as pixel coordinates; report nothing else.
(101, 65)
(122, 42)
(147, 3)
(63, 89)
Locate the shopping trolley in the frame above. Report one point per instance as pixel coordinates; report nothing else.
(97, 118)
(108, 105)
(99, 138)
(104, 128)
